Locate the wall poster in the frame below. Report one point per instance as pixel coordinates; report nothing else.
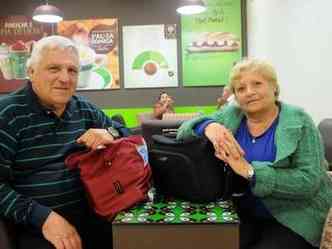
(17, 36)
(98, 44)
(150, 56)
(211, 43)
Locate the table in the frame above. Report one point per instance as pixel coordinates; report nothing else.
(176, 224)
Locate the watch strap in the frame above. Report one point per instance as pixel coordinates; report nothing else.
(251, 173)
(113, 132)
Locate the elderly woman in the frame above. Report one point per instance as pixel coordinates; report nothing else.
(163, 105)
(276, 148)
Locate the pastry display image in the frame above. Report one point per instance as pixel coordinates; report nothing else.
(214, 42)
(77, 31)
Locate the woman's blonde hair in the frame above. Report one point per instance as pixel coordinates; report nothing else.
(253, 65)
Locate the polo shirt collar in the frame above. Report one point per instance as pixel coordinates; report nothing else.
(39, 108)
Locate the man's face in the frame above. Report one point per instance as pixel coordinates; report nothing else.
(54, 78)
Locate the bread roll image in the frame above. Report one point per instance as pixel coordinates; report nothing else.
(214, 42)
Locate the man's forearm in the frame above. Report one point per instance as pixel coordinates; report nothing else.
(21, 209)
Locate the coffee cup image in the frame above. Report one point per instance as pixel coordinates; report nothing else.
(101, 60)
(5, 63)
(19, 55)
(93, 73)
(87, 60)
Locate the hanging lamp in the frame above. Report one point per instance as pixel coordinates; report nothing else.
(190, 7)
(47, 13)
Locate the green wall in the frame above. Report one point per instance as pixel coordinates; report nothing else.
(130, 114)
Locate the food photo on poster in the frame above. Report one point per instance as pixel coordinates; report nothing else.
(17, 37)
(97, 42)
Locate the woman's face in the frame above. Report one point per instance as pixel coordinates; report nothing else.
(254, 93)
(164, 97)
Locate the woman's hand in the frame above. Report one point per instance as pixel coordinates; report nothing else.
(227, 148)
(218, 133)
(230, 154)
(60, 233)
(170, 101)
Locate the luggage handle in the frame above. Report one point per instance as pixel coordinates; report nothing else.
(169, 132)
(161, 139)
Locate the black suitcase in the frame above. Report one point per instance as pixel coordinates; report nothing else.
(189, 170)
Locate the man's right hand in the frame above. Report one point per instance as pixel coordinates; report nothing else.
(60, 233)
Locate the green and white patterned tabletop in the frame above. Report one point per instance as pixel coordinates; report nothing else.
(173, 211)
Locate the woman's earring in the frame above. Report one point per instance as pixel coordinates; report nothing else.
(275, 93)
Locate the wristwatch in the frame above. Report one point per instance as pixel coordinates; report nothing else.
(251, 173)
(113, 132)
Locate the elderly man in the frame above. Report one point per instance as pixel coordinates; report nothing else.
(226, 98)
(40, 125)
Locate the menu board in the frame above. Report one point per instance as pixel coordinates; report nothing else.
(150, 56)
(17, 37)
(98, 44)
(211, 43)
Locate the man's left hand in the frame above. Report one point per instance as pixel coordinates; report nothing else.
(95, 139)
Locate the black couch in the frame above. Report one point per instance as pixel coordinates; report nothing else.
(325, 128)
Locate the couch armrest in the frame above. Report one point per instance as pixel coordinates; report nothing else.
(157, 127)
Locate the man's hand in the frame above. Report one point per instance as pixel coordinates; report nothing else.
(95, 138)
(60, 233)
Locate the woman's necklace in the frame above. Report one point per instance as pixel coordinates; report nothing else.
(261, 130)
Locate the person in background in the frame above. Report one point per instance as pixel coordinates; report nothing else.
(40, 125)
(277, 149)
(226, 98)
(163, 105)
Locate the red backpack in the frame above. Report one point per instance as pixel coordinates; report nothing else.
(116, 177)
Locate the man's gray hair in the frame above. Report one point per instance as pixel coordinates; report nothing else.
(49, 43)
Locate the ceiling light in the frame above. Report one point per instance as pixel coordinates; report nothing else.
(47, 13)
(190, 7)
